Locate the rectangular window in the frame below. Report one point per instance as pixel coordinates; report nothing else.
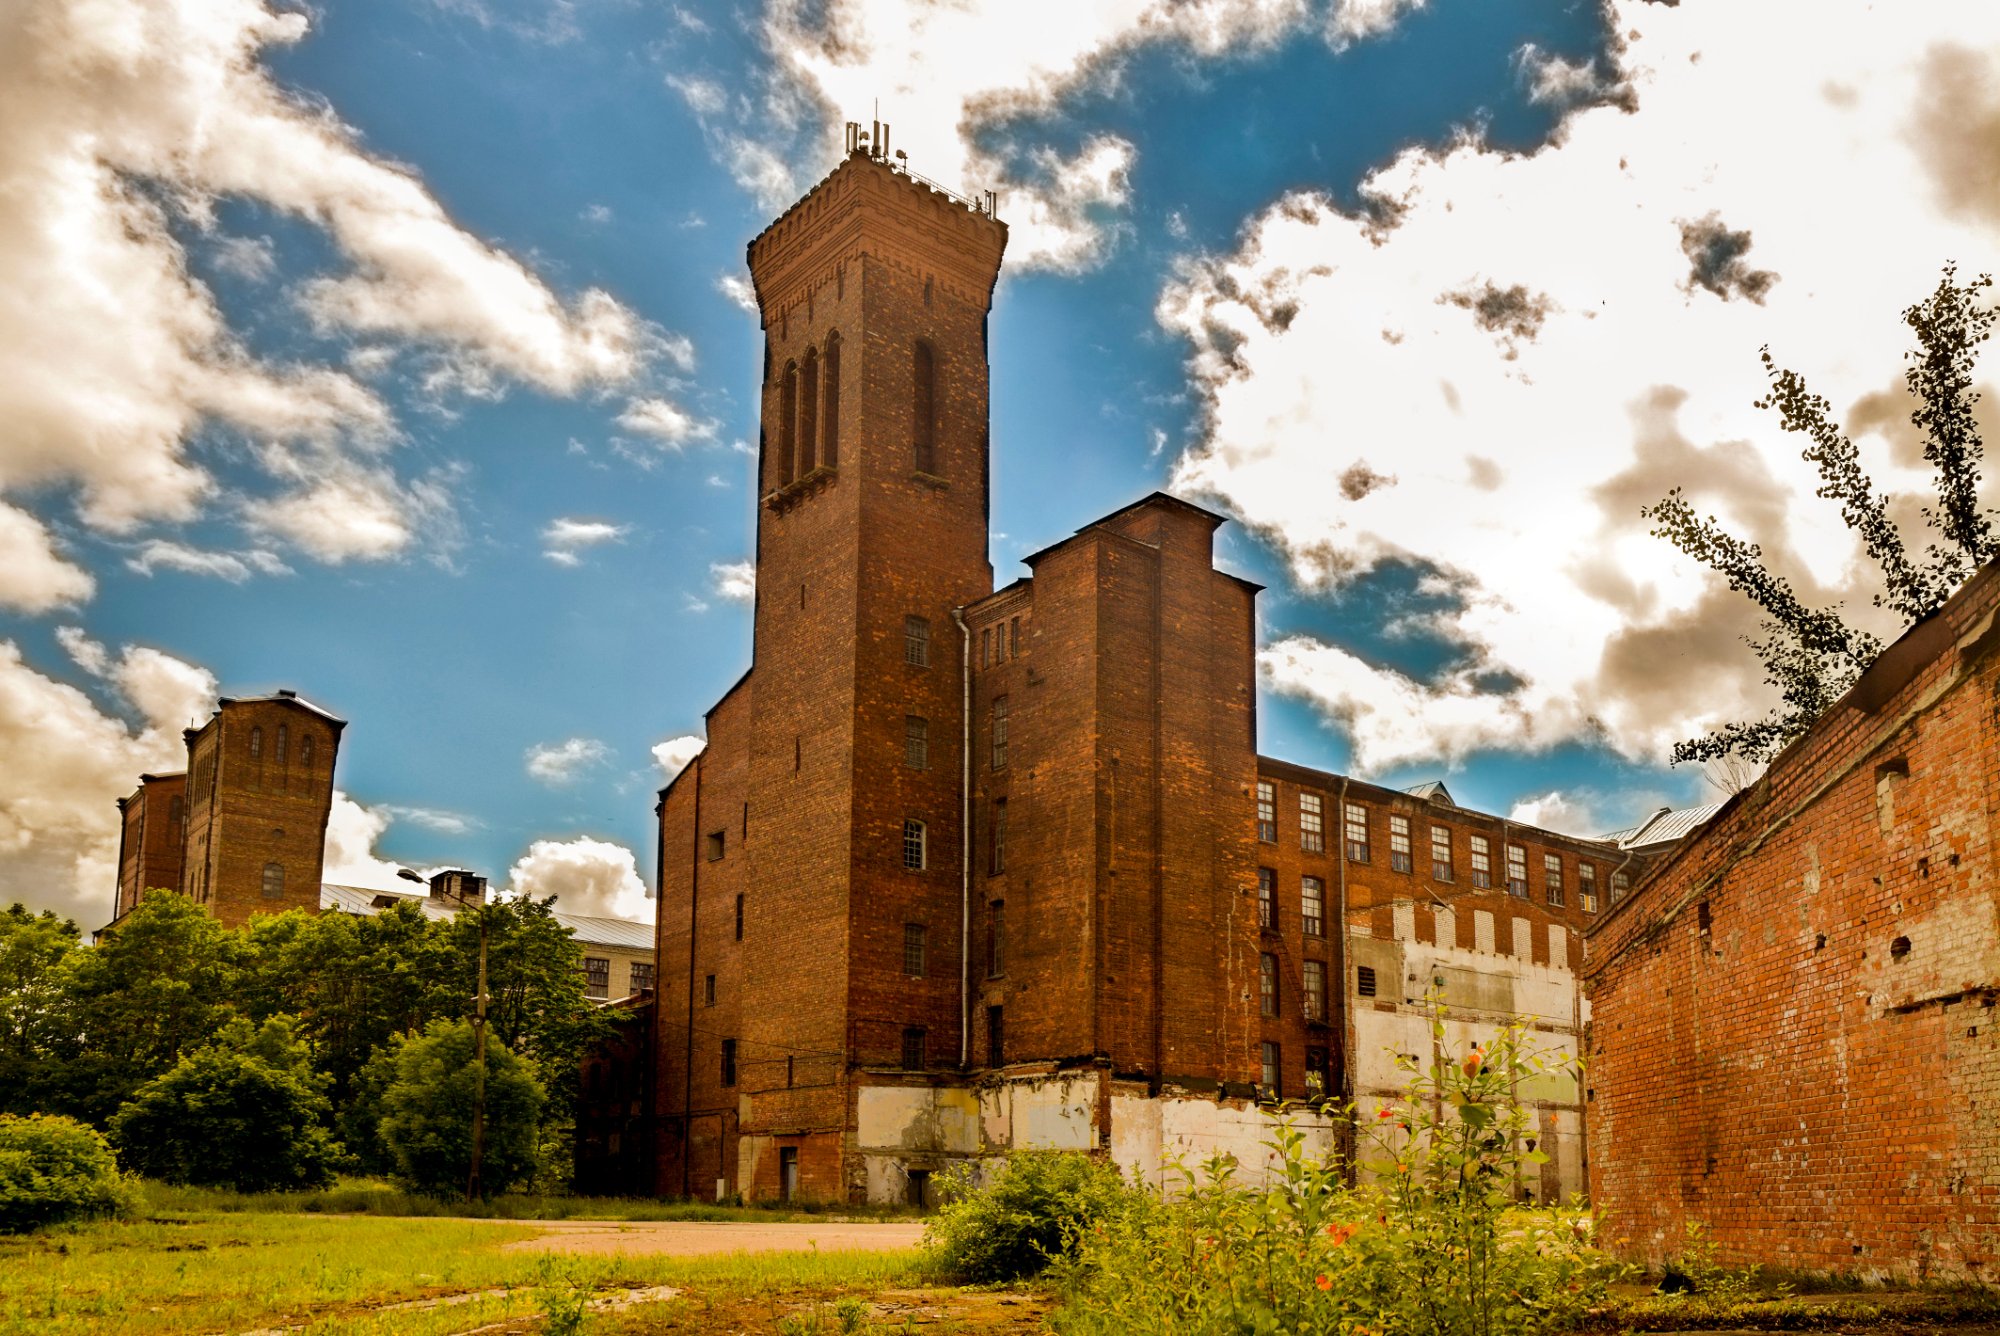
(1364, 981)
(716, 839)
(996, 939)
(1357, 833)
(708, 991)
(986, 648)
(917, 642)
(996, 854)
(1315, 990)
(1312, 906)
(1014, 637)
(1482, 861)
(739, 916)
(1267, 984)
(1517, 871)
(1000, 643)
(1267, 899)
(913, 949)
(642, 976)
(913, 1048)
(996, 1047)
(596, 976)
(1267, 811)
(1271, 1087)
(1620, 883)
(1586, 886)
(916, 742)
(729, 1062)
(999, 715)
(914, 845)
(1312, 823)
(1552, 878)
(1318, 1074)
(1399, 844)
(1441, 869)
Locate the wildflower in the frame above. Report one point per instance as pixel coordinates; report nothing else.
(1386, 1111)
(1324, 1281)
(1473, 1061)
(1340, 1233)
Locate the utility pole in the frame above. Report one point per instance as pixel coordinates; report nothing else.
(472, 1184)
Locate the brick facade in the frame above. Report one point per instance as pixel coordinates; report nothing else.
(151, 836)
(1794, 1035)
(820, 1029)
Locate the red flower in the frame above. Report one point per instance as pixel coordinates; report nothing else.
(1324, 1281)
(1473, 1060)
(1386, 1111)
(1340, 1233)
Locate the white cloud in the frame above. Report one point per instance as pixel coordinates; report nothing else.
(1539, 348)
(587, 876)
(128, 121)
(944, 73)
(564, 762)
(565, 538)
(235, 567)
(1564, 813)
(1351, 20)
(735, 580)
(596, 213)
(665, 423)
(674, 754)
(739, 291)
(68, 761)
(433, 818)
(352, 832)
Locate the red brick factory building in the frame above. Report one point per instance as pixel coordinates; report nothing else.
(965, 870)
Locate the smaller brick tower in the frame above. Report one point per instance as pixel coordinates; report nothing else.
(259, 792)
(151, 839)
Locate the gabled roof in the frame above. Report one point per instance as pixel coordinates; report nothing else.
(590, 929)
(1666, 826)
(283, 697)
(1432, 791)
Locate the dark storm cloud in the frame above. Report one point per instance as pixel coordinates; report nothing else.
(1716, 256)
(1514, 315)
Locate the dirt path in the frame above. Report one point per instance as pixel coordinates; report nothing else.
(696, 1238)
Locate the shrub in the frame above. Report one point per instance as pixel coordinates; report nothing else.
(56, 1169)
(1433, 1246)
(1025, 1217)
(426, 1118)
(246, 1112)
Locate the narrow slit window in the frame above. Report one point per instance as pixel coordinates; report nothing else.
(1272, 1086)
(996, 862)
(916, 742)
(923, 401)
(809, 413)
(788, 425)
(1267, 984)
(829, 427)
(1314, 990)
(999, 731)
(996, 939)
(914, 938)
(1267, 899)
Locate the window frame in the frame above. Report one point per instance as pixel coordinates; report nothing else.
(728, 1062)
(1267, 812)
(1271, 1067)
(996, 838)
(1312, 823)
(916, 950)
(1267, 985)
(1586, 886)
(1517, 861)
(916, 845)
(1353, 819)
(1402, 852)
(916, 742)
(1553, 891)
(1312, 989)
(916, 1045)
(1267, 899)
(1312, 906)
(597, 975)
(1442, 869)
(917, 641)
(996, 939)
(996, 735)
(1481, 855)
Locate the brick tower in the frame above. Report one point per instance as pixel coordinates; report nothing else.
(259, 790)
(874, 292)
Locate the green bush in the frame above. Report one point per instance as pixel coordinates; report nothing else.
(56, 1169)
(1433, 1246)
(1025, 1217)
(426, 1113)
(246, 1112)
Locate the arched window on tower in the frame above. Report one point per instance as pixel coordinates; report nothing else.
(923, 403)
(281, 744)
(306, 751)
(829, 431)
(788, 424)
(256, 743)
(809, 413)
(274, 881)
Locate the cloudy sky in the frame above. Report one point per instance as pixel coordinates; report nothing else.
(395, 351)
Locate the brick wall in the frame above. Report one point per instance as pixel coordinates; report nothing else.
(1794, 1028)
(151, 839)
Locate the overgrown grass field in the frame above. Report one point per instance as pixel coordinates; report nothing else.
(247, 1270)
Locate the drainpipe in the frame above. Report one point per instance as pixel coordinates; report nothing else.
(965, 843)
(1348, 1037)
(687, 1068)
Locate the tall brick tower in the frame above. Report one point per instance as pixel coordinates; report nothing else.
(259, 790)
(874, 291)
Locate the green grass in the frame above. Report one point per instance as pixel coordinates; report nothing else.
(331, 1275)
(363, 1196)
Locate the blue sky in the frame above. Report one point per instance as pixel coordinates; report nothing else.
(493, 530)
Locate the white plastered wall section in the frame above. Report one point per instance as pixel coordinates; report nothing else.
(1483, 991)
(900, 1129)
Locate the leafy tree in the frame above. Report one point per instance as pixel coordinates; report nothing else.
(360, 1118)
(158, 988)
(426, 1120)
(56, 1169)
(247, 1112)
(1812, 656)
(34, 1004)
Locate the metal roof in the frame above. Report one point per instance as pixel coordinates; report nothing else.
(1432, 791)
(1666, 826)
(629, 934)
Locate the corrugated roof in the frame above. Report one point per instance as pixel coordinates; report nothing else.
(1432, 791)
(627, 933)
(1666, 826)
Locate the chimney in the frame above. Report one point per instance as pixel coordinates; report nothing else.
(459, 885)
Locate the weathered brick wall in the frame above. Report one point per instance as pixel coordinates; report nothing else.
(152, 839)
(1793, 1036)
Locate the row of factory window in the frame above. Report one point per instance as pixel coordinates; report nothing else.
(597, 977)
(1358, 847)
(997, 643)
(1271, 1083)
(809, 410)
(917, 737)
(915, 1054)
